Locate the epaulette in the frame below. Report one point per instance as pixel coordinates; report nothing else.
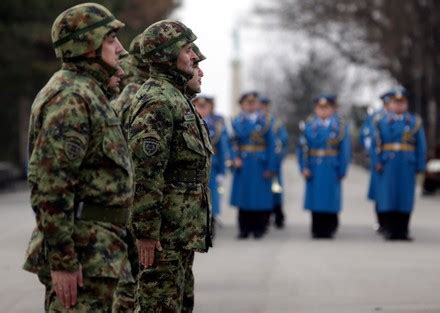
(277, 124)
(341, 132)
(377, 116)
(417, 124)
(309, 118)
(301, 126)
(267, 124)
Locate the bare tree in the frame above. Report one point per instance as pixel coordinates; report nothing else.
(401, 37)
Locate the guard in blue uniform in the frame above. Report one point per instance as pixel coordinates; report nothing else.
(255, 164)
(220, 143)
(398, 153)
(366, 134)
(281, 150)
(324, 154)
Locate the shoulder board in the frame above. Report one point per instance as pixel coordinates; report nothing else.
(418, 123)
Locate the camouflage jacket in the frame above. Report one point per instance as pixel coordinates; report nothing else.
(172, 155)
(122, 104)
(136, 73)
(77, 154)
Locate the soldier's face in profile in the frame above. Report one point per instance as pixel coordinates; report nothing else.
(263, 107)
(399, 105)
(249, 104)
(323, 111)
(115, 80)
(186, 59)
(195, 83)
(111, 49)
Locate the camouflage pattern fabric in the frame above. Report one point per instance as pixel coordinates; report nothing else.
(200, 55)
(136, 70)
(123, 300)
(122, 104)
(78, 153)
(81, 29)
(171, 152)
(172, 155)
(188, 287)
(136, 73)
(161, 287)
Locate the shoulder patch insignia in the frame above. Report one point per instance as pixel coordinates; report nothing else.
(150, 146)
(189, 117)
(73, 149)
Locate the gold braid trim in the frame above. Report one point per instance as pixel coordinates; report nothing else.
(341, 133)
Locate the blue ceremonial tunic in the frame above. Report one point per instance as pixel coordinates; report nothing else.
(323, 188)
(281, 150)
(254, 143)
(399, 145)
(220, 142)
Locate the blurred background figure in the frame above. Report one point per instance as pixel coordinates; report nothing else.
(220, 143)
(366, 136)
(281, 150)
(398, 153)
(254, 167)
(323, 154)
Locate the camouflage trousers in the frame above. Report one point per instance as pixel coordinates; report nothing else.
(124, 293)
(167, 286)
(96, 296)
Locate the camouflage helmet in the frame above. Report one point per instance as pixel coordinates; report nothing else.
(199, 54)
(81, 29)
(135, 45)
(162, 41)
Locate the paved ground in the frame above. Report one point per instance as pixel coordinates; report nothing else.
(287, 271)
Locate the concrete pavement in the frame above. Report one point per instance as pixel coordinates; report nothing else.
(286, 271)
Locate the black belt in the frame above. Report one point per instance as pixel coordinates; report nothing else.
(100, 213)
(189, 176)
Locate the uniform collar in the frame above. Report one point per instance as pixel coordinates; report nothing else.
(92, 69)
(251, 116)
(325, 123)
(134, 63)
(170, 74)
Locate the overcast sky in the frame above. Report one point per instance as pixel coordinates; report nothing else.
(213, 23)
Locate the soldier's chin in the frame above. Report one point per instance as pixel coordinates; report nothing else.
(113, 64)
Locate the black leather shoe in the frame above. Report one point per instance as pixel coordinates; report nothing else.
(242, 236)
(258, 235)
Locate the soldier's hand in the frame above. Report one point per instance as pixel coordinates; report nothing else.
(379, 167)
(66, 285)
(306, 173)
(146, 249)
(238, 163)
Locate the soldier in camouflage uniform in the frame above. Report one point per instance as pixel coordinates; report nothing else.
(80, 172)
(171, 151)
(192, 89)
(136, 73)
